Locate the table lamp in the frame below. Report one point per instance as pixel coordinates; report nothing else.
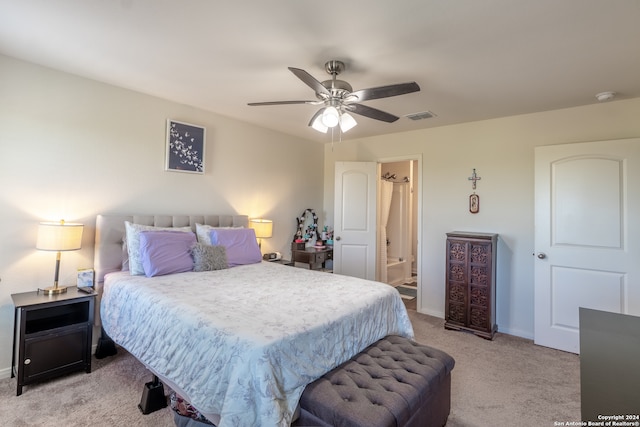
(58, 236)
(263, 229)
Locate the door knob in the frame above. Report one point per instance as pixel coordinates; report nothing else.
(338, 238)
(541, 255)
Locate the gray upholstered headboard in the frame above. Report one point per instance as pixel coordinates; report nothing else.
(110, 233)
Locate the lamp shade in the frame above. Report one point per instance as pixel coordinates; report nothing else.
(347, 122)
(59, 236)
(318, 125)
(262, 227)
(330, 116)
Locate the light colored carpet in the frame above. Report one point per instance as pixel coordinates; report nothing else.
(505, 382)
(108, 396)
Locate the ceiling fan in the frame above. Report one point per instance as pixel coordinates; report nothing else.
(338, 99)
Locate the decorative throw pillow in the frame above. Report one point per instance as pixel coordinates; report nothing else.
(241, 244)
(208, 257)
(203, 230)
(132, 232)
(166, 252)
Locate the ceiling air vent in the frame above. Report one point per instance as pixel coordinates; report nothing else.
(420, 116)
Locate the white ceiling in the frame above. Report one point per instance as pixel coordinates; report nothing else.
(473, 59)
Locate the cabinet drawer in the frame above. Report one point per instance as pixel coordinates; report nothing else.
(312, 257)
(302, 256)
(309, 257)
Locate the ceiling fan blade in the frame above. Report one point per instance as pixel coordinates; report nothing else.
(254, 104)
(385, 91)
(309, 80)
(372, 113)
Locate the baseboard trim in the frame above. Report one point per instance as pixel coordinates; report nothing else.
(434, 313)
(5, 373)
(516, 333)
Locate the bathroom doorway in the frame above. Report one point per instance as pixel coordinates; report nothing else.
(397, 258)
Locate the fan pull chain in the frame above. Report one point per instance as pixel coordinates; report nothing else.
(332, 139)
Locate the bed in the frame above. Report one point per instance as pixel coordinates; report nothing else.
(240, 344)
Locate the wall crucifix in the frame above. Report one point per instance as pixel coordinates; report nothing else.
(474, 199)
(474, 177)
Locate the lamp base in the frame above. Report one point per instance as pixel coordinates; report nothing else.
(53, 290)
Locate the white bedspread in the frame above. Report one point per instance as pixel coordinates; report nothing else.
(242, 343)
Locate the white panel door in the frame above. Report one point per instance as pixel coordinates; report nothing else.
(354, 245)
(587, 235)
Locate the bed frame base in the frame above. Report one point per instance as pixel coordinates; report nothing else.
(106, 346)
(153, 397)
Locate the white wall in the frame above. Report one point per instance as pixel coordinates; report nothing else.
(502, 151)
(72, 148)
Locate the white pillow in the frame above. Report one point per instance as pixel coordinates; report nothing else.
(203, 232)
(133, 243)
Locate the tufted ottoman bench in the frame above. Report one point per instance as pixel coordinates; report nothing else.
(393, 382)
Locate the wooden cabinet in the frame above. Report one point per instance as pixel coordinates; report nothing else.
(52, 335)
(471, 283)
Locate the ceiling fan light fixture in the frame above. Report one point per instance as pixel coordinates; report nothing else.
(318, 125)
(338, 97)
(330, 117)
(347, 122)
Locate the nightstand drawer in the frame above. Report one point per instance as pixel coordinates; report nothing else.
(309, 257)
(312, 256)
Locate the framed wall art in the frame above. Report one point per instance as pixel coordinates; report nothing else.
(185, 147)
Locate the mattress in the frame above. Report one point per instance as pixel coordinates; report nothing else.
(241, 344)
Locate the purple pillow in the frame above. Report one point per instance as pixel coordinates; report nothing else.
(166, 252)
(240, 243)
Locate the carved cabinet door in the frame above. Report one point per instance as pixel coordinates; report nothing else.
(470, 283)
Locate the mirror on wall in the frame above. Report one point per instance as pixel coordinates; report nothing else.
(307, 231)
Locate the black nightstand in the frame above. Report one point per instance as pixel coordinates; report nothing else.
(52, 335)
